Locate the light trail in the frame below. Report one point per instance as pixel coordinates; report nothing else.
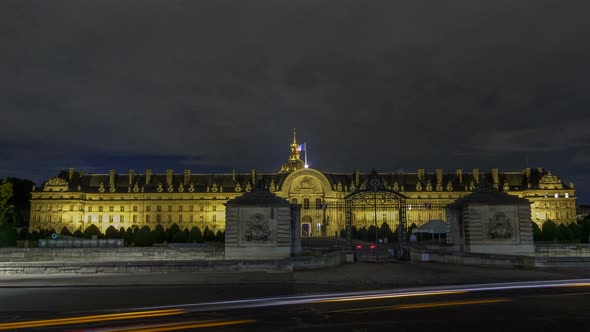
(371, 295)
(89, 319)
(421, 305)
(174, 326)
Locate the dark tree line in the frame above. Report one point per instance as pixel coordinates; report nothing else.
(139, 237)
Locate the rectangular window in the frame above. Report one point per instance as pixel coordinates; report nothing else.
(191, 218)
(100, 209)
(556, 195)
(159, 208)
(214, 218)
(180, 208)
(59, 208)
(169, 207)
(135, 208)
(148, 208)
(111, 218)
(214, 207)
(567, 195)
(134, 218)
(122, 208)
(180, 218)
(89, 218)
(100, 218)
(71, 219)
(202, 207)
(159, 218)
(190, 208)
(122, 218)
(38, 207)
(111, 208)
(148, 218)
(90, 209)
(37, 218)
(71, 208)
(169, 218)
(49, 207)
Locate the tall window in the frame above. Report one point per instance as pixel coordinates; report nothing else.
(89, 218)
(214, 207)
(169, 218)
(110, 218)
(191, 218)
(135, 208)
(318, 203)
(111, 208)
(202, 207)
(159, 218)
(159, 208)
(180, 208)
(90, 209)
(190, 208)
(121, 218)
(100, 209)
(71, 208)
(148, 208)
(169, 207)
(134, 218)
(294, 201)
(100, 218)
(214, 218)
(122, 208)
(180, 218)
(306, 203)
(148, 218)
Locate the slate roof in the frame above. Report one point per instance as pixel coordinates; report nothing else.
(258, 197)
(227, 182)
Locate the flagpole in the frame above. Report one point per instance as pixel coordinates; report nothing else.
(305, 149)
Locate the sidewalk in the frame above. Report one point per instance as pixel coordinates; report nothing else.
(346, 276)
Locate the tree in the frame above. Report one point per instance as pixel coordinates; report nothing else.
(143, 238)
(564, 233)
(21, 190)
(7, 235)
(171, 232)
(159, 234)
(92, 230)
(208, 235)
(65, 231)
(549, 231)
(6, 207)
(585, 229)
(195, 235)
(129, 236)
(78, 233)
(111, 233)
(180, 237)
(220, 236)
(371, 234)
(575, 230)
(386, 231)
(537, 234)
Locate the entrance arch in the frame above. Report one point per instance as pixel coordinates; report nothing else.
(306, 226)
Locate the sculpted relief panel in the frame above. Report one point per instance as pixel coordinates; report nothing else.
(306, 184)
(258, 228)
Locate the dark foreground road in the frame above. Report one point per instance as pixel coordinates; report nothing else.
(530, 306)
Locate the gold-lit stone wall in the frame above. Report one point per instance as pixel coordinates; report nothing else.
(76, 201)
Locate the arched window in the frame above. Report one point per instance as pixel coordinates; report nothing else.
(318, 203)
(294, 201)
(306, 203)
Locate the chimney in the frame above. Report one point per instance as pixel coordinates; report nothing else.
(112, 178)
(527, 172)
(495, 177)
(187, 177)
(131, 175)
(460, 175)
(233, 175)
(357, 177)
(148, 176)
(169, 174)
(70, 174)
(476, 175)
(439, 176)
(421, 174)
(253, 177)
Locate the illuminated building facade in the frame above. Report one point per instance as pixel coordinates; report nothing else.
(75, 200)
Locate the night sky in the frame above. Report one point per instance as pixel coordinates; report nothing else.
(219, 85)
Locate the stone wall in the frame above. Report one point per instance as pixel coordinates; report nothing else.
(109, 254)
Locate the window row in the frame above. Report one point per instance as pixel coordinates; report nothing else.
(306, 203)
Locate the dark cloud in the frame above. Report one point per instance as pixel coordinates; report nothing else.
(382, 84)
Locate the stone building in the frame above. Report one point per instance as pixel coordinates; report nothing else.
(75, 200)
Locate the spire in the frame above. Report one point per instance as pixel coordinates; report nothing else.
(294, 163)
